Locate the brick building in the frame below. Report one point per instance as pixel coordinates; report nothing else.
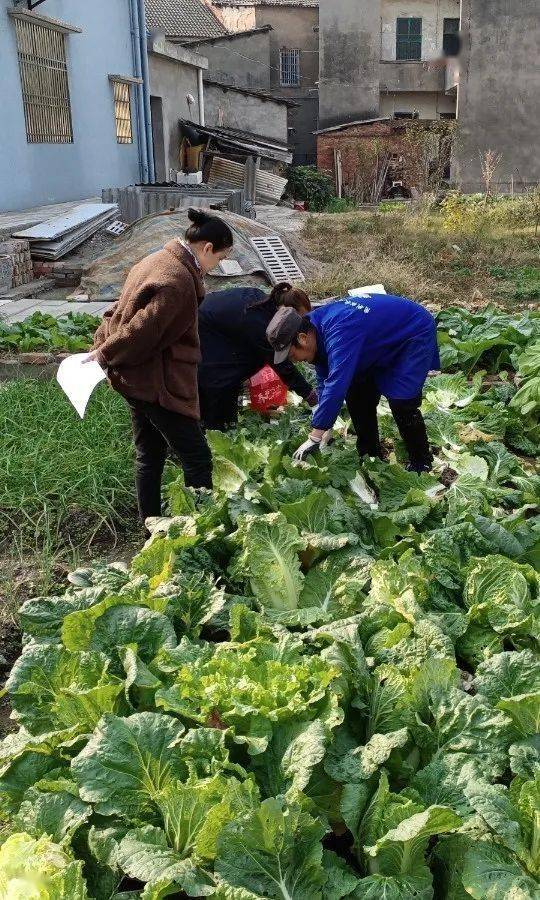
(385, 157)
(431, 61)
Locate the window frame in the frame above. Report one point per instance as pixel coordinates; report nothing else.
(408, 41)
(44, 81)
(294, 67)
(450, 45)
(121, 98)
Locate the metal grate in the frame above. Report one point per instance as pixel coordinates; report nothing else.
(276, 259)
(44, 82)
(289, 68)
(122, 112)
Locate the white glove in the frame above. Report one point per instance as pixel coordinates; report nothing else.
(305, 449)
(327, 438)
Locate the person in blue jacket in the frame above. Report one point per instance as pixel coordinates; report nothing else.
(364, 347)
(232, 332)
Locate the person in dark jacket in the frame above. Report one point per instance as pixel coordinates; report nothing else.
(232, 331)
(364, 347)
(148, 343)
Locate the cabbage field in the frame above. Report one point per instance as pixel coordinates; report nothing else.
(320, 681)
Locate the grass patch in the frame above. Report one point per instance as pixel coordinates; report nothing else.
(63, 481)
(412, 252)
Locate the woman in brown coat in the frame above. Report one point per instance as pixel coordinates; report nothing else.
(148, 343)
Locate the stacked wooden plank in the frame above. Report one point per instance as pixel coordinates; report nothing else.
(55, 237)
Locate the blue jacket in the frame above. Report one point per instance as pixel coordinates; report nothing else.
(232, 332)
(389, 338)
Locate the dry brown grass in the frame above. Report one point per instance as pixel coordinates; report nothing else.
(412, 255)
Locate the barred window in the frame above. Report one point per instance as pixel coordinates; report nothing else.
(409, 38)
(289, 68)
(122, 112)
(44, 82)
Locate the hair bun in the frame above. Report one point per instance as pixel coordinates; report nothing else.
(283, 287)
(198, 216)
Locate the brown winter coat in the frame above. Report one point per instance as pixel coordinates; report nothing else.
(149, 341)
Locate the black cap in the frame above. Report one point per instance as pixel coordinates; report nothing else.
(282, 331)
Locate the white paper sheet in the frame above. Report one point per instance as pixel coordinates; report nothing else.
(366, 291)
(78, 379)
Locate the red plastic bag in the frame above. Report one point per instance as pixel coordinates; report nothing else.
(267, 391)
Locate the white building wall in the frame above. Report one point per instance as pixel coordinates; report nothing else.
(432, 13)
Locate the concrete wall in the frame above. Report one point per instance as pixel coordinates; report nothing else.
(411, 76)
(232, 109)
(34, 174)
(499, 92)
(432, 13)
(295, 28)
(173, 75)
(244, 61)
(349, 61)
(428, 105)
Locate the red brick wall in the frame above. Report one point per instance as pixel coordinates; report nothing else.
(358, 145)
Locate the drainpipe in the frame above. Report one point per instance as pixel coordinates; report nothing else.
(140, 6)
(141, 133)
(200, 91)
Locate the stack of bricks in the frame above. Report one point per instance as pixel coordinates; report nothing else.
(15, 264)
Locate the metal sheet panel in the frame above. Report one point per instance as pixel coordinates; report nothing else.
(137, 201)
(270, 188)
(58, 226)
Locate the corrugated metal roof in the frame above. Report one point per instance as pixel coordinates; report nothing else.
(183, 18)
(243, 141)
(269, 187)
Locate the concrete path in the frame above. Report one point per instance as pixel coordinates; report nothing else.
(18, 310)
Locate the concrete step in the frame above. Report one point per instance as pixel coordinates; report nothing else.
(31, 289)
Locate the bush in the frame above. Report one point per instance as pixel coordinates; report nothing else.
(465, 214)
(340, 205)
(314, 187)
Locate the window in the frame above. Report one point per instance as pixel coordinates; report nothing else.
(409, 39)
(447, 115)
(44, 82)
(122, 112)
(451, 37)
(289, 68)
(406, 115)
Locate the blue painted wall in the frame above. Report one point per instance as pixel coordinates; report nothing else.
(34, 174)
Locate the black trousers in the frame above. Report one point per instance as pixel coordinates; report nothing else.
(219, 406)
(362, 401)
(157, 431)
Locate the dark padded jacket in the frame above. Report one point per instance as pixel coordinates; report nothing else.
(232, 332)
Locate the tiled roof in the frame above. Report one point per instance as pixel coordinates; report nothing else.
(183, 18)
(311, 3)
